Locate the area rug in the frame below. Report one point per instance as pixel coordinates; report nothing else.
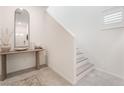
(30, 81)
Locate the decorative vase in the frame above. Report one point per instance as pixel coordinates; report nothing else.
(5, 48)
(5, 39)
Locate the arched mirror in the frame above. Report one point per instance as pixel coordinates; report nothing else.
(21, 29)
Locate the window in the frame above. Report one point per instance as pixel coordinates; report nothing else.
(113, 18)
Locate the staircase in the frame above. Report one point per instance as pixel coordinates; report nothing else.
(83, 65)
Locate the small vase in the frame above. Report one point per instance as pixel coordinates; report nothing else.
(5, 48)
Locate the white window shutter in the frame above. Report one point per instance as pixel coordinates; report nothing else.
(113, 18)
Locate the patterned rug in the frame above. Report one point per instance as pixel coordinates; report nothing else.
(30, 81)
(42, 77)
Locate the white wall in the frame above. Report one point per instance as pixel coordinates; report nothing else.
(61, 48)
(105, 48)
(37, 14)
(46, 31)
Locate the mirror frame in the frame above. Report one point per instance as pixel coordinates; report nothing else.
(21, 47)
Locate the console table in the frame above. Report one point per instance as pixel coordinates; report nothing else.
(4, 58)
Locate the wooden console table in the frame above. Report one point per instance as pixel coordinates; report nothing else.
(4, 58)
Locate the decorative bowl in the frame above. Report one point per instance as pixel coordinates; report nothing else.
(20, 49)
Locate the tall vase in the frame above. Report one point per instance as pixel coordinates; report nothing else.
(5, 47)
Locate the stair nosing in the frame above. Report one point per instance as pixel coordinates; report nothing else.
(85, 70)
(82, 60)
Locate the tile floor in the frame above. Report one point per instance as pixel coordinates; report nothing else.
(47, 77)
(98, 78)
(42, 77)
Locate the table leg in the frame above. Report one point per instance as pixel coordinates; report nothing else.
(37, 60)
(4, 70)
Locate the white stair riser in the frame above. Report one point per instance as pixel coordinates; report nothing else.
(84, 73)
(83, 68)
(81, 60)
(79, 53)
(81, 56)
(81, 63)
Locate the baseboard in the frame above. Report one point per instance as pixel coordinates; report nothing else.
(12, 74)
(115, 75)
(62, 75)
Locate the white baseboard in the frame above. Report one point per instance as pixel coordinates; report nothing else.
(61, 74)
(110, 73)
